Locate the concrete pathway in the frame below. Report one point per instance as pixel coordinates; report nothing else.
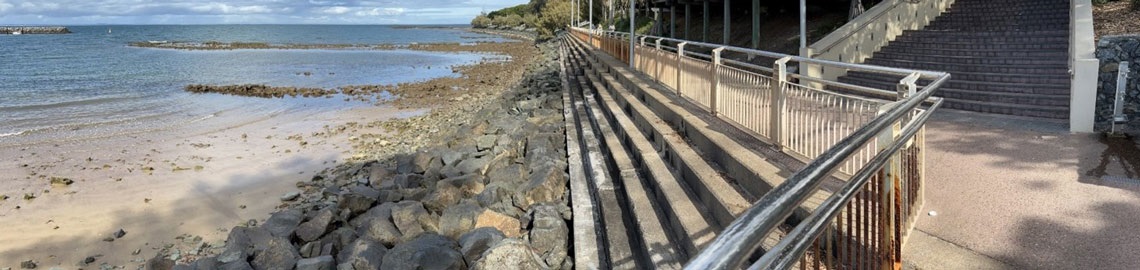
(1020, 194)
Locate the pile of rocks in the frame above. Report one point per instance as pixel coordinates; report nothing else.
(492, 192)
(260, 90)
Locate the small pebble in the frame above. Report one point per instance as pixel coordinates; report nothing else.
(932, 213)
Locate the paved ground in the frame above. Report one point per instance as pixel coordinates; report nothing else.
(1028, 195)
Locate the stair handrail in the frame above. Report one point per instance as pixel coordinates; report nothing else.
(743, 236)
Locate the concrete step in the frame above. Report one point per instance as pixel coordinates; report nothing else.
(986, 77)
(975, 60)
(985, 39)
(928, 33)
(995, 53)
(926, 64)
(1037, 89)
(980, 46)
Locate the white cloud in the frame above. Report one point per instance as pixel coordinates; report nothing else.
(266, 11)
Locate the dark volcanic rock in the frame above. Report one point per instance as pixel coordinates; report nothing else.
(510, 254)
(412, 219)
(458, 219)
(159, 262)
(376, 225)
(316, 227)
(472, 244)
(238, 265)
(549, 234)
(318, 263)
(275, 254)
(283, 223)
(362, 254)
(429, 251)
(546, 184)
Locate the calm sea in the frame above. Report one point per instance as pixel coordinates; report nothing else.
(91, 84)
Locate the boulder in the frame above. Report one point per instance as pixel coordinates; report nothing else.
(412, 219)
(458, 219)
(378, 174)
(510, 254)
(504, 223)
(275, 254)
(470, 184)
(237, 265)
(242, 243)
(549, 234)
(376, 225)
(316, 227)
(485, 142)
(362, 254)
(159, 262)
(472, 244)
(318, 263)
(442, 197)
(546, 184)
(355, 203)
(283, 223)
(428, 251)
(473, 165)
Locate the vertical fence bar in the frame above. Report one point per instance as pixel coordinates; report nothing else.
(714, 93)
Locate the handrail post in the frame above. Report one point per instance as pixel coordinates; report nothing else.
(779, 103)
(643, 40)
(907, 86)
(890, 175)
(680, 58)
(658, 43)
(714, 93)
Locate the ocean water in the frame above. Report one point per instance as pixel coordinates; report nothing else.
(91, 84)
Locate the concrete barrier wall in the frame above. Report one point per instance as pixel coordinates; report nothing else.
(862, 37)
(1082, 67)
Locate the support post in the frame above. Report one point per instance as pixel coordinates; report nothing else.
(672, 22)
(1121, 92)
(890, 175)
(907, 86)
(756, 24)
(803, 24)
(779, 103)
(714, 94)
(632, 30)
(680, 60)
(727, 21)
(705, 25)
(688, 19)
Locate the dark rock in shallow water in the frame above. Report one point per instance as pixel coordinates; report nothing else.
(362, 254)
(283, 223)
(472, 244)
(428, 251)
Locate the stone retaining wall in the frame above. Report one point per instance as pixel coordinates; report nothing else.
(1112, 50)
(7, 30)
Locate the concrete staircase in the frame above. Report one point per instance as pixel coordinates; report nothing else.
(1005, 57)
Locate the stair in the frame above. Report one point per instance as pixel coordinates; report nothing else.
(658, 196)
(1004, 57)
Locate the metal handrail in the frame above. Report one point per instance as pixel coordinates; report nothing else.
(741, 238)
(787, 251)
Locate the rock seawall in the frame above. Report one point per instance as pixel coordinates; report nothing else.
(1111, 51)
(489, 193)
(8, 30)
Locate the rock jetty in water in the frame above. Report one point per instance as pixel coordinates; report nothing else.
(9, 30)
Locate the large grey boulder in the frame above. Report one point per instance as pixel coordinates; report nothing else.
(546, 184)
(413, 220)
(510, 254)
(472, 244)
(459, 219)
(362, 254)
(317, 263)
(275, 254)
(549, 234)
(316, 227)
(376, 225)
(428, 251)
(283, 223)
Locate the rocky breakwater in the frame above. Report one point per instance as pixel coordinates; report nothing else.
(1112, 51)
(9, 30)
(489, 192)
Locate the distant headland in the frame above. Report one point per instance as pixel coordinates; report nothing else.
(20, 30)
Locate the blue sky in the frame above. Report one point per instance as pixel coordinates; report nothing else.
(81, 12)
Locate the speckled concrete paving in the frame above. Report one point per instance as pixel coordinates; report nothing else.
(1026, 194)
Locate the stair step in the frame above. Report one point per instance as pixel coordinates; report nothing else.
(1032, 89)
(980, 46)
(984, 39)
(1048, 112)
(950, 52)
(1060, 70)
(973, 60)
(996, 28)
(930, 33)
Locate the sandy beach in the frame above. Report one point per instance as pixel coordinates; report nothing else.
(179, 191)
(197, 181)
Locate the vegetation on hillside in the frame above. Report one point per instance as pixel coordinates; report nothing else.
(543, 16)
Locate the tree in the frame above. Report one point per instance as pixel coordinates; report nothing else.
(553, 17)
(481, 21)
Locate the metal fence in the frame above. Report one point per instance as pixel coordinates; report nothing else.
(874, 145)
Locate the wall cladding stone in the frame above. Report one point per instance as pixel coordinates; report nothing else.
(1112, 50)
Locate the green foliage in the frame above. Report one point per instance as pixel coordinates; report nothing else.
(511, 20)
(481, 21)
(555, 14)
(519, 10)
(530, 20)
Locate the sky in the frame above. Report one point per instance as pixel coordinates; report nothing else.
(87, 12)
